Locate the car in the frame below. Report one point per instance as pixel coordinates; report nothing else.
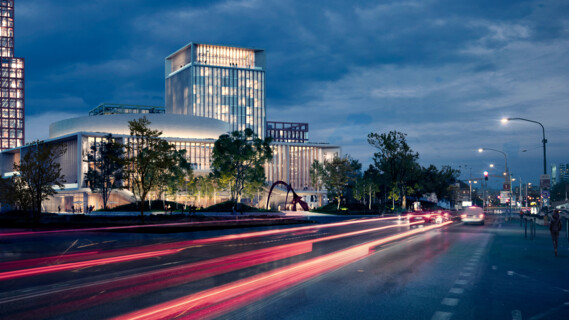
(473, 214)
(440, 216)
(418, 218)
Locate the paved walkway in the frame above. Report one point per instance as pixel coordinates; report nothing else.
(526, 277)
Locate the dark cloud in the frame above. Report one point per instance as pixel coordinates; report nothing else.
(431, 69)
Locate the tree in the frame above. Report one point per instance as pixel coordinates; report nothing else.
(176, 176)
(202, 186)
(238, 159)
(373, 183)
(14, 192)
(337, 174)
(106, 167)
(39, 171)
(317, 173)
(150, 159)
(395, 160)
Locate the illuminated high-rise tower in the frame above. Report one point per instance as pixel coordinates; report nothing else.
(220, 82)
(11, 82)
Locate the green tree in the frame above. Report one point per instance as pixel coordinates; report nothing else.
(106, 167)
(149, 159)
(396, 160)
(176, 176)
(13, 192)
(373, 182)
(203, 186)
(238, 159)
(338, 173)
(317, 173)
(39, 172)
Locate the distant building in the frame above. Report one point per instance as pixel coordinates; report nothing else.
(559, 173)
(564, 172)
(12, 130)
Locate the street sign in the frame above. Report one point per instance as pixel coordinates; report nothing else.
(544, 181)
(506, 187)
(545, 194)
(504, 197)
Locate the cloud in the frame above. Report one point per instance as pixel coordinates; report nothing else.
(444, 71)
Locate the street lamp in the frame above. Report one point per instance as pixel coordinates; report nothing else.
(544, 141)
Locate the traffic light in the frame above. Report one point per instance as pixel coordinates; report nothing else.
(486, 175)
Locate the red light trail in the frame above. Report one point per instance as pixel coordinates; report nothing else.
(220, 300)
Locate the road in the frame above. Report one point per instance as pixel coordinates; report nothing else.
(373, 268)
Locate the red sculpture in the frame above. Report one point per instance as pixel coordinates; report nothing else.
(296, 199)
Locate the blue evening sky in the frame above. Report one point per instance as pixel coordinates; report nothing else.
(443, 71)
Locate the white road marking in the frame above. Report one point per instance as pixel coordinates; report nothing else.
(456, 290)
(461, 282)
(465, 274)
(450, 302)
(439, 315)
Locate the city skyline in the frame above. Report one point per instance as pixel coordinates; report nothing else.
(442, 72)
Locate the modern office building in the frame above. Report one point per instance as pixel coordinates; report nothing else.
(219, 82)
(12, 130)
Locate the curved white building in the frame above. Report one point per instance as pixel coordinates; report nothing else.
(171, 125)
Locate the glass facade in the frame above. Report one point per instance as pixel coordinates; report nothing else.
(223, 83)
(291, 163)
(11, 83)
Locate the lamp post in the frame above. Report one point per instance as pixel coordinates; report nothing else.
(544, 141)
(507, 178)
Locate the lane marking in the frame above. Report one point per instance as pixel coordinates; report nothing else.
(456, 290)
(450, 302)
(439, 315)
(461, 282)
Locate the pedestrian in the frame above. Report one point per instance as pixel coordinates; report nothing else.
(58, 209)
(555, 228)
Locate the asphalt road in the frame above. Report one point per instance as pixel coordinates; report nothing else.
(369, 269)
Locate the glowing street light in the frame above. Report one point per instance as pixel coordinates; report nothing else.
(544, 141)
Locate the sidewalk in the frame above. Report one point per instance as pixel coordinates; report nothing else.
(524, 275)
